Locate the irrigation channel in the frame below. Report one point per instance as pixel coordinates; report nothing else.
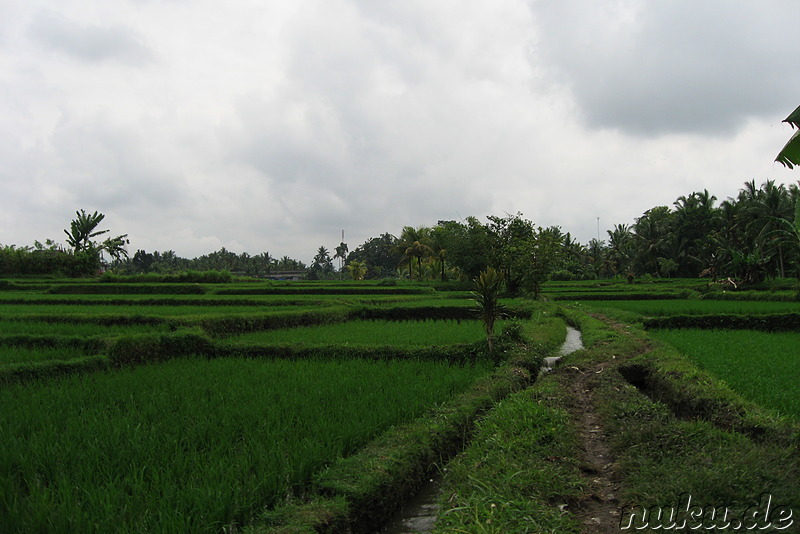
(418, 515)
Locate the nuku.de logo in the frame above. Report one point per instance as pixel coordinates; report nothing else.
(685, 515)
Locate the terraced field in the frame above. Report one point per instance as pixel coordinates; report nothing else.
(132, 412)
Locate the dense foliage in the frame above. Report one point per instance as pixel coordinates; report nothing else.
(747, 239)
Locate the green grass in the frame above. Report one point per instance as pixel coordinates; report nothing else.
(762, 367)
(373, 333)
(194, 445)
(21, 298)
(505, 480)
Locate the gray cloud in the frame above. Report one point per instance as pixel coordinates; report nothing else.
(675, 66)
(273, 126)
(91, 43)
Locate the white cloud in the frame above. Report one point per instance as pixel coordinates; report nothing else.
(273, 126)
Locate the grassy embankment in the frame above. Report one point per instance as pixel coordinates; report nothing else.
(672, 430)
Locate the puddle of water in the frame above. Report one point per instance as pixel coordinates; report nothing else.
(419, 513)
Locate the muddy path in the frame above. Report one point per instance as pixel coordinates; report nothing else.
(599, 508)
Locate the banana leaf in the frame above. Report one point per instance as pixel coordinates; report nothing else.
(790, 153)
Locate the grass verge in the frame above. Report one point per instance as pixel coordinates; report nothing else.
(519, 467)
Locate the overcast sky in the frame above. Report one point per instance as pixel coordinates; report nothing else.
(273, 126)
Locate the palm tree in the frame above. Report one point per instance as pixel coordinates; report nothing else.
(620, 242)
(341, 254)
(772, 204)
(695, 220)
(791, 230)
(286, 264)
(357, 269)
(650, 232)
(487, 299)
(439, 250)
(413, 243)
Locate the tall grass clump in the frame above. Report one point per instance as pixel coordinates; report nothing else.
(194, 445)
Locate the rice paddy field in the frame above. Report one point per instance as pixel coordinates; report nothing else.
(63, 328)
(16, 354)
(199, 444)
(374, 333)
(762, 367)
(193, 444)
(656, 308)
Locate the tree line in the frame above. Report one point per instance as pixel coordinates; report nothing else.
(86, 255)
(749, 238)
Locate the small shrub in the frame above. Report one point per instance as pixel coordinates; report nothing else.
(513, 332)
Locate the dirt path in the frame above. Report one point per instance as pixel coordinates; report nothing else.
(599, 509)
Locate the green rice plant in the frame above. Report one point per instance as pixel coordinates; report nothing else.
(194, 445)
(696, 307)
(760, 366)
(150, 300)
(50, 328)
(123, 289)
(187, 310)
(17, 354)
(213, 277)
(371, 333)
(327, 290)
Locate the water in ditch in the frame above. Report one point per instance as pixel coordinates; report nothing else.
(573, 342)
(418, 515)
